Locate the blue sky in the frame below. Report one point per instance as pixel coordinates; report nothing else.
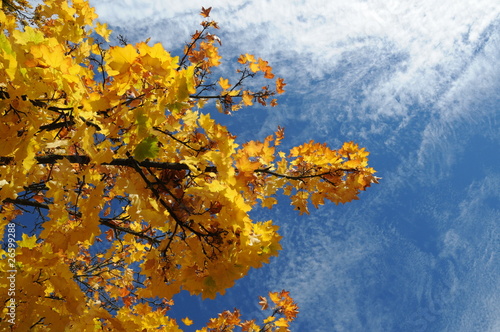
(415, 82)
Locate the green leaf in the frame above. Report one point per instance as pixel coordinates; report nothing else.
(29, 35)
(27, 241)
(142, 121)
(209, 282)
(186, 84)
(148, 148)
(5, 44)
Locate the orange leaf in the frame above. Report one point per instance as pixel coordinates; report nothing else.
(124, 291)
(135, 103)
(127, 301)
(205, 12)
(280, 84)
(242, 59)
(263, 303)
(109, 234)
(39, 198)
(268, 73)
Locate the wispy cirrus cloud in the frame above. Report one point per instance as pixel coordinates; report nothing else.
(393, 54)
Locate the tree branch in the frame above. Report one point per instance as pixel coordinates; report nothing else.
(302, 177)
(103, 221)
(84, 160)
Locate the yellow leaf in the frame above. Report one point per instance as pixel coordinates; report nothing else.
(102, 30)
(247, 98)
(274, 296)
(187, 321)
(269, 202)
(218, 105)
(224, 83)
(282, 322)
(29, 35)
(27, 241)
(244, 58)
(119, 59)
(30, 151)
(254, 67)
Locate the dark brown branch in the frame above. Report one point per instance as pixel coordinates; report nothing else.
(302, 177)
(130, 162)
(67, 123)
(178, 140)
(156, 194)
(26, 202)
(84, 160)
(110, 224)
(200, 36)
(170, 239)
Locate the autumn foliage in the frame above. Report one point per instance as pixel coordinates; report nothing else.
(137, 191)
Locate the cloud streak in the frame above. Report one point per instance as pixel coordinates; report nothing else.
(414, 53)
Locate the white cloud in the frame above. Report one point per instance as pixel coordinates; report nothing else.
(471, 247)
(414, 50)
(470, 101)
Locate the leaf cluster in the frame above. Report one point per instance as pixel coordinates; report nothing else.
(139, 193)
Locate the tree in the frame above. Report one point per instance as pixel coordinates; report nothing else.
(139, 193)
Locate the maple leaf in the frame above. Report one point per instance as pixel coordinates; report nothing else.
(280, 135)
(127, 301)
(244, 58)
(280, 84)
(147, 148)
(268, 74)
(39, 198)
(263, 303)
(254, 67)
(247, 98)
(282, 322)
(187, 321)
(28, 241)
(205, 12)
(102, 30)
(224, 83)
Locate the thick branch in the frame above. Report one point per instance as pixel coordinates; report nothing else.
(84, 160)
(67, 123)
(130, 162)
(26, 202)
